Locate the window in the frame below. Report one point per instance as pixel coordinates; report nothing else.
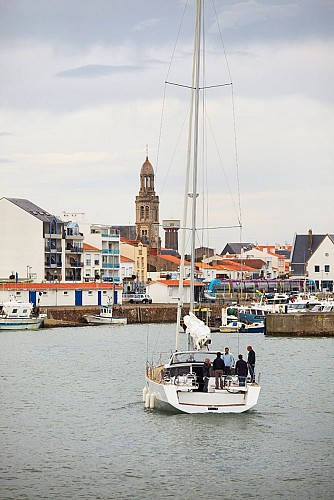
(327, 269)
(317, 269)
(141, 213)
(90, 292)
(65, 293)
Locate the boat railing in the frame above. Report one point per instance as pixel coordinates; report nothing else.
(189, 380)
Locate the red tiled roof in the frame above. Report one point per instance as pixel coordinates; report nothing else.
(172, 258)
(134, 243)
(86, 246)
(126, 259)
(59, 286)
(176, 282)
(203, 265)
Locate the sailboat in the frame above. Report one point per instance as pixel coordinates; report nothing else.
(179, 384)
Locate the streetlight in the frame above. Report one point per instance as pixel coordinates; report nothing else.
(29, 272)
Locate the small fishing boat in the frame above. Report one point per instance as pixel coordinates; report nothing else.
(15, 315)
(105, 317)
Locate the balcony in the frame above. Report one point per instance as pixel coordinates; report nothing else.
(110, 266)
(76, 237)
(52, 265)
(114, 251)
(53, 236)
(52, 249)
(73, 264)
(73, 249)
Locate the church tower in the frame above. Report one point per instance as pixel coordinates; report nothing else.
(147, 210)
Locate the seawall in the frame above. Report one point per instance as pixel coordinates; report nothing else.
(302, 324)
(135, 313)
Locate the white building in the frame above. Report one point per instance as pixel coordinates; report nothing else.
(36, 245)
(62, 294)
(167, 291)
(320, 265)
(92, 258)
(104, 238)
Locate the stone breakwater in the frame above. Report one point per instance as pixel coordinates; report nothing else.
(302, 324)
(135, 313)
(292, 325)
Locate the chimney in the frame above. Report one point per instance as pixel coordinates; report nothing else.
(309, 245)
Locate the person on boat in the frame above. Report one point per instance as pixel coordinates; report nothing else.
(251, 362)
(218, 368)
(228, 361)
(241, 369)
(206, 374)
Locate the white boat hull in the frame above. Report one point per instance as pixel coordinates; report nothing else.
(95, 319)
(173, 398)
(20, 323)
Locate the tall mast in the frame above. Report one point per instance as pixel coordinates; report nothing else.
(196, 56)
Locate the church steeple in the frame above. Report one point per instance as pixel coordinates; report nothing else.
(147, 209)
(146, 177)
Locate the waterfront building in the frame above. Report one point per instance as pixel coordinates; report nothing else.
(53, 294)
(33, 243)
(105, 239)
(312, 259)
(137, 252)
(92, 258)
(167, 291)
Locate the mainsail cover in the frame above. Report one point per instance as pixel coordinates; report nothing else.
(199, 332)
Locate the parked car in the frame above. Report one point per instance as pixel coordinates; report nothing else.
(140, 298)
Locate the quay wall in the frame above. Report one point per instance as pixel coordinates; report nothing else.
(300, 325)
(135, 313)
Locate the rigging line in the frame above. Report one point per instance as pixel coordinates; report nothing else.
(222, 41)
(175, 149)
(204, 145)
(236, 154)
(164, 96)
(211, 228)
(233, 109)
(222, 165)
(199, 88)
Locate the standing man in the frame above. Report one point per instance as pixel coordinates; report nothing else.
(218, 367)
(206, 374)
(241, 370)
(251, 362)
(228, 361)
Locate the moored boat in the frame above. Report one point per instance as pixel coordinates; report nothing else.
(105, 317)
(15, 315)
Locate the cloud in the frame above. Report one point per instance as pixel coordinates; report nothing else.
(95, 70)
(147, 23)
(5, 134)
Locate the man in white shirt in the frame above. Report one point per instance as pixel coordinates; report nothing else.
(228, 361)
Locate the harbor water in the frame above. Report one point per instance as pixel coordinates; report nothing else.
(73, 424)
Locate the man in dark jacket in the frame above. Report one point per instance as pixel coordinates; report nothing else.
(251, 362)
(241, 370)
(218, 367)
(206, 374)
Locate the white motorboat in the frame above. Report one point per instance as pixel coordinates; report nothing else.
(179, 384)
(15, 315)
(105, 317)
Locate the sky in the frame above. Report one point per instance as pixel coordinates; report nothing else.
(83, 98)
